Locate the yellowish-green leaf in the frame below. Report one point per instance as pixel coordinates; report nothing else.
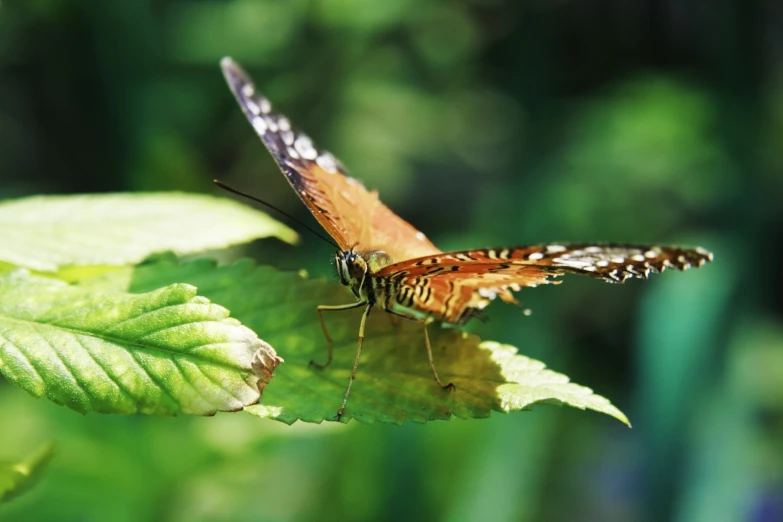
(168, 351)
(49, 232)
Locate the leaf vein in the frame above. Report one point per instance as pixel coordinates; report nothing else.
(218, 384)
(65, 367)
(26, 359)
(111, 379)
(154, 379)
(135, 342)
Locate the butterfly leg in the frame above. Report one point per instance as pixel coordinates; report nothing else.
(331, 308)
(450, 386)
(355, 361)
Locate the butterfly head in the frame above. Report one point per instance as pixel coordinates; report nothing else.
(351, 267)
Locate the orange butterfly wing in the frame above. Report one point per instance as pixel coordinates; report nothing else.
(451, 286)
(351, 214)
(454, 286)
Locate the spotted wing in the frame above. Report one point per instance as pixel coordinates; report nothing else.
(351, 214)
(454, 286)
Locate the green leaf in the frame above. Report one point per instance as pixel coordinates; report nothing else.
(18, 477)
(394, 383)
(48, 232)
(165, 352)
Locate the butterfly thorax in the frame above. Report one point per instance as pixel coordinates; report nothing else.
(356, 270)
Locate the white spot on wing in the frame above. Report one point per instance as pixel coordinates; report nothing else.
(292, 153)
(253, 106)
(487, 293)
(259, 125)
(304, 146)
(288, 137)
(535, 256)
(554, 249)
(265, 106)
(420, 236)
(248, 90)
(327, 162)
(574, 263)
(284, 124)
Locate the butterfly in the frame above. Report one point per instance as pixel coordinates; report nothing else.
(389, 264)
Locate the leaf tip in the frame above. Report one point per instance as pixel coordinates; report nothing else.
(265, 360)
(617, 414)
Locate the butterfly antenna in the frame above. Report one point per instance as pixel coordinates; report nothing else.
(286, 214)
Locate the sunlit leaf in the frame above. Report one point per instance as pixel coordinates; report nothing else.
(18, 477)
(394, 382)
(48, 232)
(168, 351)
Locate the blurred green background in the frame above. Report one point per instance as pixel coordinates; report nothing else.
(484, 123)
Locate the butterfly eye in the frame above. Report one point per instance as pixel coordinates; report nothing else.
(341, 267)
